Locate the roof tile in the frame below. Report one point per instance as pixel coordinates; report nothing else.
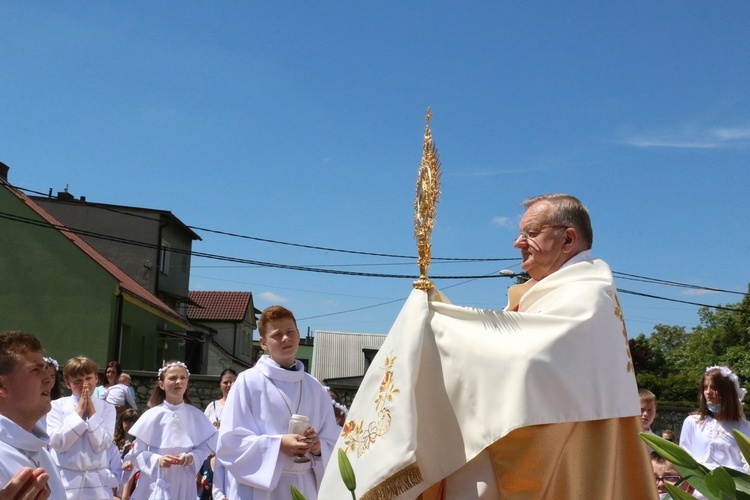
(219, 306)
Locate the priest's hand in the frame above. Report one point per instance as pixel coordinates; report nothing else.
(27, 484)
(294, 445)
(314, 441)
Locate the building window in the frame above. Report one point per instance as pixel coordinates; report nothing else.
(165, 253)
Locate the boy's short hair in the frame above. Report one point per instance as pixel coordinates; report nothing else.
(124, 377)
(13, 344)
(655, 457)
(273, 313)
(646, 396)
(80, 365)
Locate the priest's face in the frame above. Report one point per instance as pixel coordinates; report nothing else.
(541, 243)
(281, 341)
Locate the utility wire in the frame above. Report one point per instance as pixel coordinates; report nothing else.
(640, 294)
(62, 228)
(320, 269)
(645, 279)
(627, 276)
(357, 252)
(266, 240)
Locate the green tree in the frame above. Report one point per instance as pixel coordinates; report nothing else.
(647, 358)
(721, 337)
(671, 341)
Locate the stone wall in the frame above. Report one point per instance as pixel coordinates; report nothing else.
(202, 389)
(671, 417)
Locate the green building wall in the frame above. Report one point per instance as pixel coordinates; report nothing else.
(51, 288)
(142, 347)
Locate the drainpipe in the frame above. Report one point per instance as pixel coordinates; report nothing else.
(159, 263)
(118, 328)
(234, 341)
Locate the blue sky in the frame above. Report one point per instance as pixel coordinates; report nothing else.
(302, 122)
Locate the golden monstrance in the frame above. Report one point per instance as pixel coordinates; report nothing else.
(428, 190)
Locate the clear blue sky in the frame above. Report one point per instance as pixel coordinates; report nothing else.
(302, 122)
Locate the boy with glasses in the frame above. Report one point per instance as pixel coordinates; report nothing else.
(665, 472)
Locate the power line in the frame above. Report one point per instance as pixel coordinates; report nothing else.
(62, 228)
(339, 250)
(266, 240)
(641, 294)
(645, 279)
(322, 269)
(353, 310)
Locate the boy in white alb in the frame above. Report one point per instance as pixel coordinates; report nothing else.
(26, 467)
(81, 428)
(255, 448)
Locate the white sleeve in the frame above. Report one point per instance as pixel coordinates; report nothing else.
(144, 459)
(101, 427)
(130, 399)
(64, 431)
(252, 457)
(687, 434)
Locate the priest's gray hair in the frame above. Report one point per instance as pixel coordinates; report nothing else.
(567, 210)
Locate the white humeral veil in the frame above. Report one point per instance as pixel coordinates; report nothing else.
(449, 381)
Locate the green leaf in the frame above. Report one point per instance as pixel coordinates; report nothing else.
(677, 493)
(297, 494)
(741, 480)
(744, 443)
(671, 451)
(347, 473)
(720, 484)
(695, 480)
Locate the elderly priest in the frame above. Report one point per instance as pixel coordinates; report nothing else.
(536, 401)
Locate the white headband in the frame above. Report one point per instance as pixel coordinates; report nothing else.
(172, 365)
(741, 391)
(51, 361)
(341, 407)
(338, 405)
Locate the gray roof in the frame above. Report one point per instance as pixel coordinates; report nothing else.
(339, 354)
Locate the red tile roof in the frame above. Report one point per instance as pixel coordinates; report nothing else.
(126, 283)
(219, 306)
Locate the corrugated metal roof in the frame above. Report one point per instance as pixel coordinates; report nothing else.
(219, 306)
(339, 354)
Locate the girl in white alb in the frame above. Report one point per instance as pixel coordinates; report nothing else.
(707, 434)
(172, 440)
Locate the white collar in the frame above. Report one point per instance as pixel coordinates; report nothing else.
(579, 257)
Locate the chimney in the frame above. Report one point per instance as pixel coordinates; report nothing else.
(4, 172)
(65, 195)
